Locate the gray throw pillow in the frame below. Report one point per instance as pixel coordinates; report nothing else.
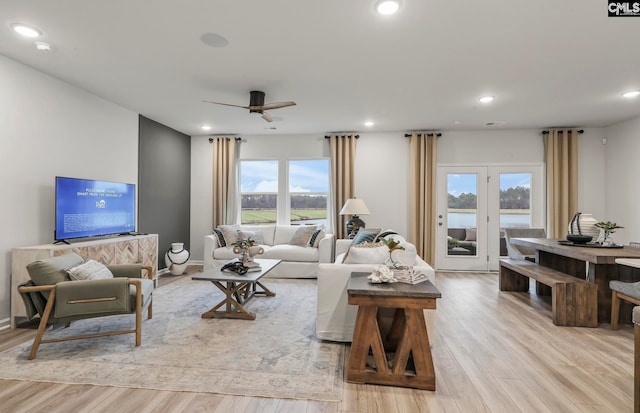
(90, 270)
(256, 236)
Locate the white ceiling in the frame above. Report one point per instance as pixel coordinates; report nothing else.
(548, 63)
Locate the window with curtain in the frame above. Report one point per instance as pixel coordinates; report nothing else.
(291, 191)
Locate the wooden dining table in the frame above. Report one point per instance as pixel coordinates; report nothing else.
(590, 262)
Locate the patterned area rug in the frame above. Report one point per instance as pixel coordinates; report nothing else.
(277, 355)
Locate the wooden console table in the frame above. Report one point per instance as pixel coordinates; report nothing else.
(400, 356)
(141, 249)
(596, 265)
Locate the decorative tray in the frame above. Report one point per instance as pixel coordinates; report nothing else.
(589, 244)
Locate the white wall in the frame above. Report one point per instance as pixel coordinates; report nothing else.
(622, 190)
(49, 128)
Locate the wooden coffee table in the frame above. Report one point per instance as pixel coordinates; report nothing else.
(238, 289)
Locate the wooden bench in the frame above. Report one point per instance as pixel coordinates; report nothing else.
(574, 301)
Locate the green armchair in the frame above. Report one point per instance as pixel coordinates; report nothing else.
(57, 299)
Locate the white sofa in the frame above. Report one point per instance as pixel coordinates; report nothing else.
(336, 318)
(297, 261)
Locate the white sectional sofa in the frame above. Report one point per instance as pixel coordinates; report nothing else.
(297, 261)
(336, 318)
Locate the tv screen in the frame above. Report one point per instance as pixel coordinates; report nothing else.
(90, 208)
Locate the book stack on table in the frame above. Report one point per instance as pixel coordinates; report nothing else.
(252, 266)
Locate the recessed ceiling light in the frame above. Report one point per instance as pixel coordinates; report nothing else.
(214, 40)
(205, 127)
(631, 94)
(369, 123)
(26, 31)
(45, 47)
(387, 7)
(486, 99)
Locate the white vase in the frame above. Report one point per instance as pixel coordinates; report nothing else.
(176, 258)
(584, 224)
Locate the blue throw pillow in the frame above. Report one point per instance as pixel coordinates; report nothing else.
(365, 235)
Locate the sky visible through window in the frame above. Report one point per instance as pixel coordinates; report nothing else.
(304, 176)
(466, 183)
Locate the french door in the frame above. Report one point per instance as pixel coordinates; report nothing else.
(476, 203)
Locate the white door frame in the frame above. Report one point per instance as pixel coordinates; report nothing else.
(488, 215)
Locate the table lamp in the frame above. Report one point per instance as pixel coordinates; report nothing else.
(354, 207)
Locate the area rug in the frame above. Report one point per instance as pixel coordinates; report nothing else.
(277, 355)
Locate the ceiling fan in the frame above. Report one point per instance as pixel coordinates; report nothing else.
(257, 105)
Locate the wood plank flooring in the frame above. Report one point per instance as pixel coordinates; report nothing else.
(493, 352)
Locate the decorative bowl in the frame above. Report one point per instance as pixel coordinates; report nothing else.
(579, 239)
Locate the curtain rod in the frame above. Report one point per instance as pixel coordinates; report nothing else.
(356, 136)
(546, 132)
(236, 138)
(408, 135)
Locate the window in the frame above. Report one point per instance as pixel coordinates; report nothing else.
(286, 191)
(258, 192)
(308, 191)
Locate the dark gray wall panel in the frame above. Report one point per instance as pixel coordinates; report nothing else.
(164, 180)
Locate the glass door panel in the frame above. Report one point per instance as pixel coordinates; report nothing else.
(462, 214)
(462, 222)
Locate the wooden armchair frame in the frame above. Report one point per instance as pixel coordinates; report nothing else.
(51, 302)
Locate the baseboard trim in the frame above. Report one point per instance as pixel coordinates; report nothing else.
(5, 324)
(191, 262)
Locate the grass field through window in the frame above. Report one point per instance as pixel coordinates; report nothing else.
(268, 216)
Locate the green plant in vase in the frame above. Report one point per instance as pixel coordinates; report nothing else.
(392, 245)
(607, 228)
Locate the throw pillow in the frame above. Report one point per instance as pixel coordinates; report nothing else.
(220, 237)
(90, 270)
(471, 234)
(367, 254)
(230, 233)
(366, 235)
(317, 235)
(256, 236)
(384, 233)
(303, 235)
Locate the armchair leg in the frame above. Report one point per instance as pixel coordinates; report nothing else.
(138, 315)
(43, 324)
(615, 310)
(150, 310)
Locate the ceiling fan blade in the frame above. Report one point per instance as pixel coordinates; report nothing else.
(277, 105)
(227, 104)
(267, 117)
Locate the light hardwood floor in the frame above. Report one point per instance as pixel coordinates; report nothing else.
(493, 352)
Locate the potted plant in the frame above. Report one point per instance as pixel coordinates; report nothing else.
(607, 228)
(392, 245)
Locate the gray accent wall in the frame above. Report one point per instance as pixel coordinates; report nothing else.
(164, 180)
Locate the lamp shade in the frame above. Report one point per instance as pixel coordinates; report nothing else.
(354, 206)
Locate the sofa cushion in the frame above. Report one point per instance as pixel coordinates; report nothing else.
(302, 235)
(284, 233)
(471, 234)
(267, 230)
(256, 236)
(90, 270)
(367, 254)
(293, 253)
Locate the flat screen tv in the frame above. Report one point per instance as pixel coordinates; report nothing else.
(90, 208)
